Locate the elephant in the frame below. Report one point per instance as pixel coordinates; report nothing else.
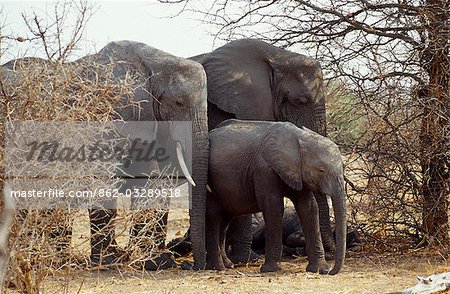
(293, 235)
(252, 80)
(169, 89)
(252, 165)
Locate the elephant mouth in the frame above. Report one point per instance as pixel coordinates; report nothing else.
(295, 119)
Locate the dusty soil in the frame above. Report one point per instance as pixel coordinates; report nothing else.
(360, 275)
(364, 272)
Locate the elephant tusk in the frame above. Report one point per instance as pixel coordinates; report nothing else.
(329, 202)
(208, 188)
(182, 163)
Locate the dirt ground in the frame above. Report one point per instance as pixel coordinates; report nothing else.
(363, 272)
(360, 275)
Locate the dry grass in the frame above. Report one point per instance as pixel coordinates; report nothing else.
(41, 240)
(363, 272)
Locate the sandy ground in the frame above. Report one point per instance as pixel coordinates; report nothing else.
(364, 272)
(360, 275)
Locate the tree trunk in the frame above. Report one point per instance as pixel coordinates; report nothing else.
(434, 132)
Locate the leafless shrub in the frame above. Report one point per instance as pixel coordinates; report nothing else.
(54, 90)
(388, 68)
(383, 165)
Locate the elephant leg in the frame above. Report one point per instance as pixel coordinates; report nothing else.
(273, 215)
(259, 234)
(239, 237)
(148, 231)
(325, 225)
(307, 211)
(55, 225)
(222, 242)
(213, 226)
(148, 234)
(104, 249)
(149, 227)
(61, 230)
(181, 246)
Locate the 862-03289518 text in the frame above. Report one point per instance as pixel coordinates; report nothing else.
(100, 192)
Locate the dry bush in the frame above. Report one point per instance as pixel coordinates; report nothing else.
(379, 137)
(54, 90)
(392, 60)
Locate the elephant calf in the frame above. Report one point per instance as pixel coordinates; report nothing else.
(253, 164)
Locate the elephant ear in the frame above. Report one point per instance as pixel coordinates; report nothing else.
(199, 58)
(283, 152)
(240, 78)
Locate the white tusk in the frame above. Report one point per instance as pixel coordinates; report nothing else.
(208, 188)
(183, 164)
(329, 202)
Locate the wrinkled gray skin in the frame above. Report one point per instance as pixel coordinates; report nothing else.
(253, 80)
(252, 165)
(180, 88)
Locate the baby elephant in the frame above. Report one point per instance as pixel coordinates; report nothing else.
(253, 164)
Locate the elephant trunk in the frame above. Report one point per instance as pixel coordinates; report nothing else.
(319, 125)
(338, 199)
(197, 213)
(319, 119)
(325, 224)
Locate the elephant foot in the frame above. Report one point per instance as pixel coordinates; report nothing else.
(245, 258)
(215, 266)
(161, 262)
(355, 248)
(269, 267)
(180, 246)
(109, 259)
(289, 251)
(187, 266)
(300, 251)
(227, 262)
(321, 266)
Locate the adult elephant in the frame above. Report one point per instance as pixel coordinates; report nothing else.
(168, 88)
(252, 80)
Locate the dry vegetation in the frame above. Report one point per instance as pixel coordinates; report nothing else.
(54, 90)
(370, 271)
(40, 240)
(387, 64)
(49, 249)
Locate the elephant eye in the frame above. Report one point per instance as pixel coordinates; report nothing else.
(179, 103)
(322, 170)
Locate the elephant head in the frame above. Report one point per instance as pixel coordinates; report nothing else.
(256, 80)
(305, 159)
